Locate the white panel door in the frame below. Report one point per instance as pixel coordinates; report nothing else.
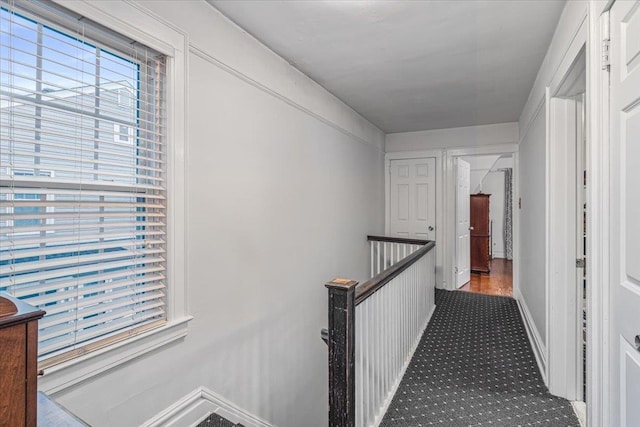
(625, 213)
(463, 222)
(412, 204)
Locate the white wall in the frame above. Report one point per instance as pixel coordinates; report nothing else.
(480, 166)
(284, 183)
(533, 173)
(470, 136)
(533, 221)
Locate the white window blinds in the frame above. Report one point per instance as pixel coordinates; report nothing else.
(82, 178)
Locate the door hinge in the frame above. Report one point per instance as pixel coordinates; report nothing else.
(606, 55)
(581, 263)
(606, 37)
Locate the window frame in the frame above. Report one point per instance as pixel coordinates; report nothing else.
(161, 36)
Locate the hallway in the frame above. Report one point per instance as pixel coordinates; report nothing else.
(474, 367)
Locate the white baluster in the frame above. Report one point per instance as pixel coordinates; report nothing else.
(385, 256)
(372, 259)
(378, 353)
(385, 328)
(372, 384)
(359, 371)
(391, 250)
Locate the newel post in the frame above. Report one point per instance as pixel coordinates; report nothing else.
(341, 342)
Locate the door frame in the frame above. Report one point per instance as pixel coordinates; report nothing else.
(456, 164)
(450, 205)
(598, 219)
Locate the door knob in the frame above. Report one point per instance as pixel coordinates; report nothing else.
(431, 228)
(471, 228)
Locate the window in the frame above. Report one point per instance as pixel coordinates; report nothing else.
(123, 133)
(27, 213)
(83, 178)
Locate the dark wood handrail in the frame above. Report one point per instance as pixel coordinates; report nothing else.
(397, 240)
(368, 288)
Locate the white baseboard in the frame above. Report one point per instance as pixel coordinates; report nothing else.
(539, 348)
(394, 389)
(580, 409)
(497, 254)
(197, 406)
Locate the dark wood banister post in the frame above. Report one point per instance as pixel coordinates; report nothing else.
(342, 343)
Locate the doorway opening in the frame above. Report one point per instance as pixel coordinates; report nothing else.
(484, 224)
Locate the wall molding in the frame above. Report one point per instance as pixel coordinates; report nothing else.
(452, 138)
(537, 344)
(245, 78)
(524, 131)
(197, 406)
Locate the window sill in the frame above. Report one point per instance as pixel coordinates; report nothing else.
(72, 372)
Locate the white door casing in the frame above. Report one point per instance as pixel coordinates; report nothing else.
(624, 346)
(581, 236)
(412, 207)
(463, 248)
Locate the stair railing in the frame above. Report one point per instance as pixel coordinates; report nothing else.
(374, 328)
(386, 251)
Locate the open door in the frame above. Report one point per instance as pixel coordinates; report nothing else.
(463, 223)
(624, 343)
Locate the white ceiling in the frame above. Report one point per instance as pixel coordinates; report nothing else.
(411, 65)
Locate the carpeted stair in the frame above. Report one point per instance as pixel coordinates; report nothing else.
(215, 420)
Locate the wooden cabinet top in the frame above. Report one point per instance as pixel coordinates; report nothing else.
(13, 311)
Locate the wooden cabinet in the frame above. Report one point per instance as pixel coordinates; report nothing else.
(18, 362)
(479, 233)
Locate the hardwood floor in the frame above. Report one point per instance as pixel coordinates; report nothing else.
(498, 282)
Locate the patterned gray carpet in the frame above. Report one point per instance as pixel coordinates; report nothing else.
(474, 367)
(215, 420)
